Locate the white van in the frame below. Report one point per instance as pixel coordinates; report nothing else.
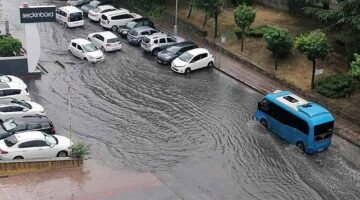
(112, 20)
(70, 16)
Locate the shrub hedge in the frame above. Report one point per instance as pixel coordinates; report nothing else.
(9, 46)
(336, 86)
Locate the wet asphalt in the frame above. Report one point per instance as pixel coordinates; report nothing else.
(196, 133)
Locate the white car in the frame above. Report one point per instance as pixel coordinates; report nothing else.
(112, 20)
(13, 87)
(34, 145)
(70, 16)
(95, 14)
(192, 60)
(13, 108)
(85, 50)
(106, 41)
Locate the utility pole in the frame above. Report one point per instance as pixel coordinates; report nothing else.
(69, 110)
(176, 18)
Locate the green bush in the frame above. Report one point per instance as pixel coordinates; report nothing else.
(259, 30)
(355, 67)
(9, 46)
(80, 150)
(153, 8)
(336, 86)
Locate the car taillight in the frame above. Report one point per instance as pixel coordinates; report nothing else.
(27, 90)
(68, 19)
(3, 152)
(107, 21)
(53, 131)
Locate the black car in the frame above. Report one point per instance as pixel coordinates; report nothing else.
(123, 30)
(169, 54)
(25, 123)
(94, 4)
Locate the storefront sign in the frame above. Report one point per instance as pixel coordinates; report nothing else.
(37, 14)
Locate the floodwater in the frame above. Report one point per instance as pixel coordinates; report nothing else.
(196, 133)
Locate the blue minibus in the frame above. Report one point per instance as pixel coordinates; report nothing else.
(306, 124)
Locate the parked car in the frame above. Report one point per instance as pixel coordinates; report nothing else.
(94, 4)
(112, 20)
(158, 41)
(34, 145)
(70, 16)
(106, 41)
(77, 2)
(13, 87)
(96, 13)
(85, 50)
(192, 60)
(136, 35)
(26, 123)
(169, 54)
(123, 30)
(10, 108)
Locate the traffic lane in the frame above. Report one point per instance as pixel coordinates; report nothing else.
(92, 182)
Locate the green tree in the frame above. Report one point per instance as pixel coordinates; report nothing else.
(355, 67)
(278, 41)
(244, 16)
(9, 46)
(314, 45)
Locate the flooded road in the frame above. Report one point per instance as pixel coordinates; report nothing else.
(196, 133)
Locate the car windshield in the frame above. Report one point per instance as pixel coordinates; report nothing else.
(131, 25)
(89, 48)
(4, 79)
(10, 141)
(50, 139)
(173, 49)
(146, 40)
(113, 40)
(324, 128)
(96, 10)
(185, 56)
(22, 103)
(94, 3)
(9, 125)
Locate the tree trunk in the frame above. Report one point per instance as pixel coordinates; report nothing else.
(276, 60)
(216, 23)
(191, 7)
(205, 20)
(242, 39)
(313, 74)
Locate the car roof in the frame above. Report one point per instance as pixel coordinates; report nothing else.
(31, 119)
(116, 12)
(141, 19)
(81, 41)
(70, 9)
(104, 7)
(10, 101)
(185, 44)
(198, 51)
(29, 135)
(106, 34)
(142, 28)
(158, 35)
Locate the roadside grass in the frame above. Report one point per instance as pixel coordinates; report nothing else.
(295, 68)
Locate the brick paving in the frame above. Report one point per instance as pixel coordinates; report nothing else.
(260, 82)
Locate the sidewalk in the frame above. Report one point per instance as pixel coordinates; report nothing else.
(260, 82)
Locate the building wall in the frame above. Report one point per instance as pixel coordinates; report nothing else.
(16, 65)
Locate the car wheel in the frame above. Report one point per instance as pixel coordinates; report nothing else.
(114, 28)
(187, 71)
(18, 158)
(66, 25)
(211, 64)
(62, 154)
(102, 49)
(301, 146)
(89, 39)
(85, 59)
(155, 52)
(264, 123)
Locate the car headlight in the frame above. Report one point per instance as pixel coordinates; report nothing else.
(167, 57)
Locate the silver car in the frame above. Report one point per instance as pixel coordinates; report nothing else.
(136, 34)
(77, 2)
